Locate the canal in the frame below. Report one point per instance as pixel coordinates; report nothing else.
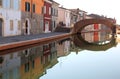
(87, 56)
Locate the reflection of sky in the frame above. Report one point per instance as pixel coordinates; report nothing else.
(87, 65)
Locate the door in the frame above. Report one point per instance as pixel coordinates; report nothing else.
(1, 27)
(46, 26)
(26, 28)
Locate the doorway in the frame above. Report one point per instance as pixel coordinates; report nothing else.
(46, 26)
(26, 27)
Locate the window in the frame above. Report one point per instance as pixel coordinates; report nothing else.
(49, 10)
(34, 8)
(11, 25)
(27, 6)
(33, 64)
(54, 24)
(44, 9)
(16, 4)
(52, 11)
(11, 3)
(27, 67)
(0, 3)
(19, 25)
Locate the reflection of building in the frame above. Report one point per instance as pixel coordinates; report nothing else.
(49, 58)
(31, 64)
(46, 55)
(9, 68)
(10, 17)
(53, 55)
(32, 18)
(63, 48)
(74, 48)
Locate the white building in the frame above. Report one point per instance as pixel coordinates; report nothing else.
(64, 16)
(10, 16)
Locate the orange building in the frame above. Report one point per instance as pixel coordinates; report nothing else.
(37, 3)
(32, 17)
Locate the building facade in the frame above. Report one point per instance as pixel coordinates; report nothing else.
(64, 16)
(31, 61)
(31, 16)
(47, 16)
(77, 15)
(10, 18)
(54, 13)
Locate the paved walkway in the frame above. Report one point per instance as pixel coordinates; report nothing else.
(5, 40)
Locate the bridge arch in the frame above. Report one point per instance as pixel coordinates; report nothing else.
(83, 23)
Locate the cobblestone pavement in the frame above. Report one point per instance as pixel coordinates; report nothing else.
(5, 40)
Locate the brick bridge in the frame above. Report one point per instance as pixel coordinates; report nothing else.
(83, 23)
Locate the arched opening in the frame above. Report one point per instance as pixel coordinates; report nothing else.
(1, 24)
(27, 27)
(83, 23)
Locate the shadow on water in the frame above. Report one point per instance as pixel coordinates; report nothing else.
(80, 42)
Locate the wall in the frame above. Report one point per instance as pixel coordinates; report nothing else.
(35, 25)
(10, 13)
(38, 4)
(61, 15)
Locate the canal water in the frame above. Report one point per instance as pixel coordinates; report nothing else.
(85, 56)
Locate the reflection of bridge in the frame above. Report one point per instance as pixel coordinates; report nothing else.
(83, 23)
(80, 42)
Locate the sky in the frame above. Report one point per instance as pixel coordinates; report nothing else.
(108, 8)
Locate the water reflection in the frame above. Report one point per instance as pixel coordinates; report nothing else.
(83, 44)
(33, 63)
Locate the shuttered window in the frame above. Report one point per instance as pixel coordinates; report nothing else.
(27, 6)
(11, 25)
